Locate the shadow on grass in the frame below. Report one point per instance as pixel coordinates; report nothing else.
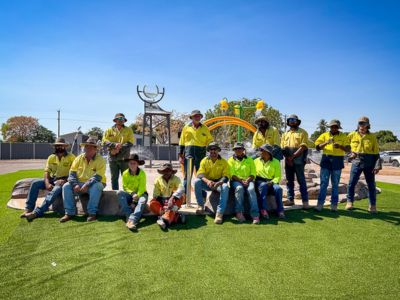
(359, 213)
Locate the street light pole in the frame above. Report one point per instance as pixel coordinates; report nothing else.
(58, 120)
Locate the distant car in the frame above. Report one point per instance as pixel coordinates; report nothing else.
(388, 155)
(395, 161)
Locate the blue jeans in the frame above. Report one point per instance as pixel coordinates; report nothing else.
(239, 197)
(335, 178)
(200, 187)
(125, 199)
(116, 167)
(94, 192)
(355, 173)
(290, 171)
(264, 189)
(37, 185)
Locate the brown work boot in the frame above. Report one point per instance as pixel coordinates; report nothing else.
(349, 205)
(372, 209)
(31, 216)
(91, 218)
(218, 218)
(66, 218)
(288, 202)
(305, 206)
(26, 211)
(199, 210)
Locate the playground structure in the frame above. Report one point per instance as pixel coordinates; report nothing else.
(228, 120)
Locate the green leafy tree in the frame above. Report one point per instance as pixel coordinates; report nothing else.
(385, 136)
(96, 131)
(322, 127)
(43, 135)
(227, 134)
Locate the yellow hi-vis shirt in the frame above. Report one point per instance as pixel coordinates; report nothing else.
(85, 170)
(270, 137)
(270, 169)
(243, 169)
(59, 168)
(294, 139)
(191, 136)
(114, 135)
(366, 144)
(339, 138)
(165, 189)
(134, 183)
(214, 170)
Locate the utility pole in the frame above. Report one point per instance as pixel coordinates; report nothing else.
(58, 120)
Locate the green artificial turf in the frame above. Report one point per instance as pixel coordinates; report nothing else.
(310, 255)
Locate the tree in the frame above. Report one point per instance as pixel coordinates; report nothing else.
(322, 127)
(385, 136)
(227, 134)
(43, 135)
(97, 132)
(20, 129)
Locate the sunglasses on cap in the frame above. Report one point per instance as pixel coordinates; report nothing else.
(292, 120)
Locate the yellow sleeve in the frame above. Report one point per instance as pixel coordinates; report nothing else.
(277, 137)
(142, 183)
(304, 139)
(209, 136)
(182, 138)
(226, 171)
(202, 169)
(254, 141)
(101, 170)
(283, 140)
(131, 137)
(105, 136)
(252, 168)
(47, 167)
(320, 139)
(75, 165)
(157, 190)
(375, 145)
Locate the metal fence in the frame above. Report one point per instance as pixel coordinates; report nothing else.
(43, 150)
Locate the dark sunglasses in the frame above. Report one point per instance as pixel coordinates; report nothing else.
(363, 123)
(120, 119)
(292, 120)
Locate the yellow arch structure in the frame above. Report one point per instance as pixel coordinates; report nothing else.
(228, 120)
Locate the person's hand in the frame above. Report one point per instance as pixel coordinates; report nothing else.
(60, 182)
(84, 188)
(114, 151)
(289, 160)
(270, 183)
(181, 159)
(210, 183)
(171, 202)
(77, 188)
(49, 186)
(352, 156)
(118, 146)
(135, 197)
(217, 184)
(245, 183)
(375, 171)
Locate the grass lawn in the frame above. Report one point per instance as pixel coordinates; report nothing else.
(310, 255)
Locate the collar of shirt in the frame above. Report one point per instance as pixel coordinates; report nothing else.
(137, 171)
(239, 158)
(192, 125)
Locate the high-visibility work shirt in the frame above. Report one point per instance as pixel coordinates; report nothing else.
(114, 135)
(339, 138)
(294, 139)
(192, 136)
(242, 168)
(214, 170)
(270, 137)
(59, 167)
(165, 189)
(134, 183)
(86, 170)
(270, 169)
(366, 144)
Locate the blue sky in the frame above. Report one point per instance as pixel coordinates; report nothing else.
(318, 59)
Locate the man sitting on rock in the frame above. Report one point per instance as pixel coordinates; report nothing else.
(86, 176)
(134, 196)
(213, 175)
(268, 171)
(243, 173)
(168, 196)
(55, 175)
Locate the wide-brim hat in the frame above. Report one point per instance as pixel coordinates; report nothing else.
(334, 122)
(213, 145)
(238, 146)
(364, 120)
(266, 147)
(135, 157)
(60, 142)
(196, 112)
(261, 118)
(293, 116)
(119, 115)
(91, 141)
(166, 168)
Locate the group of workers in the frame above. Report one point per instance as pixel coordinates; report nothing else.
(256, 177)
